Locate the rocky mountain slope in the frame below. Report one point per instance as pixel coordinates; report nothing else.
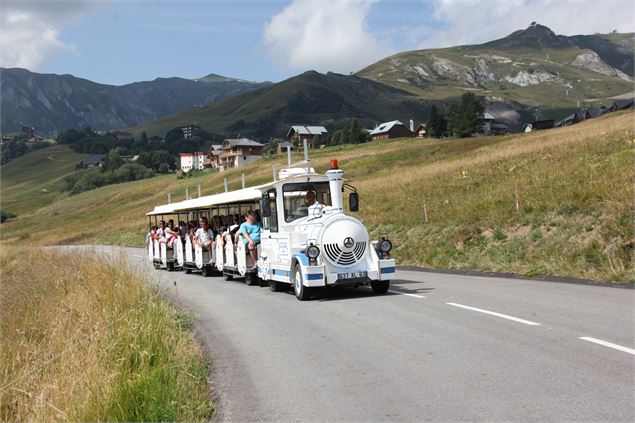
(531, 72)
(54, 102)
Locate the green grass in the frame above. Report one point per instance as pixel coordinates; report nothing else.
(88, 340)
(30, 182)
(575, 215)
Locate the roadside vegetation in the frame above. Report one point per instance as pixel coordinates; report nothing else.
(86, 340)
(575, 211)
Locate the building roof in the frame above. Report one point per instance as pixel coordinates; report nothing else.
(243, 142)
(307, 130)
(499, 126)
(94, 159)
(385, 127)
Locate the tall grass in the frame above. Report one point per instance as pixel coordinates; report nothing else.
(86, 340)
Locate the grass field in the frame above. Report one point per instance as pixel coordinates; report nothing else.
(30, 182)
(575, 188)
(87, 340)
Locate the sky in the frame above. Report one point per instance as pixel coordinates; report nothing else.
(118, 42)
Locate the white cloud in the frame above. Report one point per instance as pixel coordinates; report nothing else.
(29, 30)
(327, 35)
(475, 22)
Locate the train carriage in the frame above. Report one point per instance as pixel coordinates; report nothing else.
(163, 256)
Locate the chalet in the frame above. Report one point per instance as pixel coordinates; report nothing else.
(239, 152)
(498, 128)
(195, 160)
(422, 130)
(622, 104)
(538, 125)
(313, 134)
(213, 154)
(487, 120)
(388, 130)
(28, 131)
(94, 160)
(282, 147)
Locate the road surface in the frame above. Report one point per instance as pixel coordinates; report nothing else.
(437, 347)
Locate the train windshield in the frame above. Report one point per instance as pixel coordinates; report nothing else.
(303, 197)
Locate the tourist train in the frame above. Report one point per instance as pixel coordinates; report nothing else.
(307, 239)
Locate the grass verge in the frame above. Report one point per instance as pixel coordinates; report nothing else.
(87, 340)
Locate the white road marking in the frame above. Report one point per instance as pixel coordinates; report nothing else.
(409, 295)
(493, 313)
(608, 344)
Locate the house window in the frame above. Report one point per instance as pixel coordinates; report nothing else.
(271, 222)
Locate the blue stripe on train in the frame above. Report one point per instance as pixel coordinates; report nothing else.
(387, 270)
(281, 272)
(314, 276)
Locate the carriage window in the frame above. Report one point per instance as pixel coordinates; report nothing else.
(295, 198)
(271, 222)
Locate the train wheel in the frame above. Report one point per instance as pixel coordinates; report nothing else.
(206, 271)
(188, 271)
(251, 279)
(275, 286)
(227, 276)
(380, 287)
(302, 292)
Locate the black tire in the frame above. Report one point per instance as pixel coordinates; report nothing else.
(170, 267)
(302, 292)
(157, 266)
(227, 276)
(275, 286)
(251, 279)
(206, 271)
(188, 270)
(380, 287)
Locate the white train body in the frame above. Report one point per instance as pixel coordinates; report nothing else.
(303, 243)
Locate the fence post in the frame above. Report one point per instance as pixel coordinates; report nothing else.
(425, 210)
(517, 197)
(199, 190)
(187, 193)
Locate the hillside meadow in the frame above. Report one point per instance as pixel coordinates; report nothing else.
(557, 202)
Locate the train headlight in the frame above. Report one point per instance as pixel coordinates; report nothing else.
(385, 246)
(312, 252)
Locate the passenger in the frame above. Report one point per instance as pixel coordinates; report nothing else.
(171, 233)
(192, 230)
(182, 230)
(223, 234)
(204, 236)
(250, 233)
(258, 217)
(160, 232)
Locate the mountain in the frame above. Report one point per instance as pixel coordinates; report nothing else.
(531, 73)
(54, 102)
(327, 99)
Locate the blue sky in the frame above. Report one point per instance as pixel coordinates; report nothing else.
(118, 42)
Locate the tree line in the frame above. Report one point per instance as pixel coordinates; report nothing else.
(457, 120)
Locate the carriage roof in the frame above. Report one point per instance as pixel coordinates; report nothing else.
(231, 197)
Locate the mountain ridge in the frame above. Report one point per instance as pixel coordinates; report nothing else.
(51, 102)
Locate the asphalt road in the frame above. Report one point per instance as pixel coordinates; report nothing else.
(438, 347)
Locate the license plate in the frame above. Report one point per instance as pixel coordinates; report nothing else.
(352, 275)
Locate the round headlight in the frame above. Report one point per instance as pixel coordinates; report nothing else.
(385, 245)
(312, 251)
